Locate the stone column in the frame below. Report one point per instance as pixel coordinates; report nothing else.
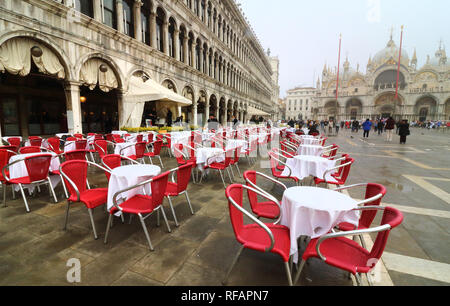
(119, 16)
(194, 114)
(185, 48)
(153, 30)
(201, 59)
(207, 63)
(193, 46)
(137, 19)
(166, 37)
(73, 106)
(206, 111)
(225, 115)
(176, 44)
(98, 10)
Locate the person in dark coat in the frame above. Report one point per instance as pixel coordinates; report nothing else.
(390, 126)
(403, 131)
(169, 118)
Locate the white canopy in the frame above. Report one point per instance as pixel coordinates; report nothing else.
(256, 112)
(140, 91)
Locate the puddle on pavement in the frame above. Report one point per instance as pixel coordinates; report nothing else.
(399, 187)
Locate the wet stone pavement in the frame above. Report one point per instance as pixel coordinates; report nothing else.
(34, 249)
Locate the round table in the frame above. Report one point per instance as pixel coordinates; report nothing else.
(314, 212)
(130, 148)
(303, 166)
(310, 140)
(126, 176)
(235, 143)
(203, 154)
(310, 150)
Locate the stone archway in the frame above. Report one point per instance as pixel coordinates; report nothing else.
(447, 110)
(353, 109)
(386, 105)
(425, 109)
(331, 109)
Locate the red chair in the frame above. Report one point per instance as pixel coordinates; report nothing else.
(140, 148)
(222, 166)
(252, 147)
(331, 153)
(38, 173)
(374, 193)
(54, 144)
(74, 173)
(277, 167)
(79, 136)
(139, 138)
(111, 162)
(14, 141)
(81, 144)
(338, 180)
(265, 209)
(101, 148)
(338, 251)
(180, 187)
(71, 139)
(5, 155)
(30, 149)
(10, 148)
(167, 142)
(109, 137)
(35, 142)
(257, 236)
(157, 146)
(76, 155)
(141, 205)
(150, 138)
(235, 161)
(179, 155)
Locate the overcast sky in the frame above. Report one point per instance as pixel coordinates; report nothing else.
(305, 34)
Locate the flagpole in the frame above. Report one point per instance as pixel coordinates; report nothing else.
(398, 68)
(337, 79)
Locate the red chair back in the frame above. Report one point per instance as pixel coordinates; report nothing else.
(101, 147)
(140, 149)
(367, 216)
(229, 155)
(14, 141)
(139, 138)
(5, 155)
(81, 144)
(159, 186)
(109, 137)
(76, 155)
(112, 161)
(71, 139)
(31, 149)
(183, 177)
(36, 142)
(54, 144)
(150, 138)
(346, 169)
(119, 140)
(252, 196)
(38, 166)
(237, 154)
(235, 192)
(98, 137)
(11, 148)
(157, 146)
(79, 136)
(394, 218)
(76, 171)
(178, 154)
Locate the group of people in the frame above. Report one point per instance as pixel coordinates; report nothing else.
(430, 124)
(388, 125)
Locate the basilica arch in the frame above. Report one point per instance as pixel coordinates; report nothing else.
(447, 109)
(353, 109)
(386, 105)
(425, 108)
(331, 109)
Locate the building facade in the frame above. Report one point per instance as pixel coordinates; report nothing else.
(71, 65)
(300, 102)
(424, 92)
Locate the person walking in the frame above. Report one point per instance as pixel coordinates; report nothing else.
(404, 131)
(367, 126)
(380, 126)
(390, 126)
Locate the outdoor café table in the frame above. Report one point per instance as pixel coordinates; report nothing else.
(235, 143)
(207, 136)
(314, 212)
(310, 140)
(303, 166)
(180, 138)
(130, 148)
(20, 169)
(203, 154)
(310, 150)
(70, 146)
(126, 176)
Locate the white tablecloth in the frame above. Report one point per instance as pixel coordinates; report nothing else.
(234, 143)
(20, 169)
(310, 140)
(127, 176)
(303, 166)
(310, 150)
(180, 138)
(61, 135)
(70, 146)
(131, 150)
(121, 133)
(203, 154)
(313, 212)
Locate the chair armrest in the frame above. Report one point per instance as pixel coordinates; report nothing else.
(129, 146)
(334, 169)
(128, 189)
(65, 177)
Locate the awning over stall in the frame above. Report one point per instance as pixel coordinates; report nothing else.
(256, 112)
(140, 91)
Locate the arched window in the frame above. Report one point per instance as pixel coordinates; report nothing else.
(204, 55)
(145, 20)
(172, 27)
(191, 41)
(181, 43)
(198, 54)
(160, 16)
(128, 18)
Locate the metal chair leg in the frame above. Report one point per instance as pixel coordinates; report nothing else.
(225, 280)
(288, 272)
(239, 170)
(24, 198)
(108, 226)
(173, 211)
(297, 275)
(162, 165)
(4, 194)
(221, 176)
(50, 186)
(92, 223)
(146, 232)
(165, 219)
(189, 202)
(363, 243)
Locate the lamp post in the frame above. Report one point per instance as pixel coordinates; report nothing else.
(337, 80)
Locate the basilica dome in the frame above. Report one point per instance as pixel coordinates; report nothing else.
(389, 55)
